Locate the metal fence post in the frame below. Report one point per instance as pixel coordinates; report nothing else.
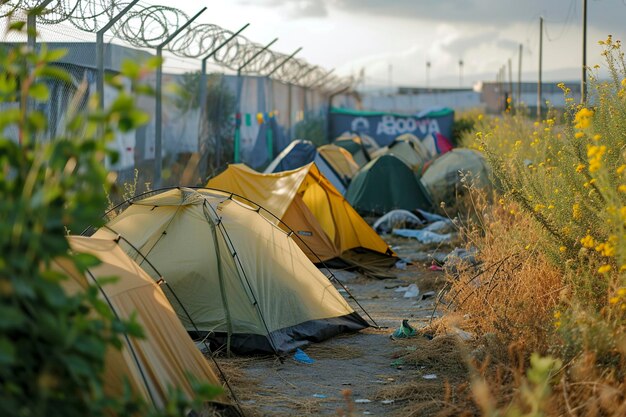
(158, 136)
(202, 103)
(100, 52)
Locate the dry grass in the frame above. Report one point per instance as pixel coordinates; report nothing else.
(513, 294)
(444, 355)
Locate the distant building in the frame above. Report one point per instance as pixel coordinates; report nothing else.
(494, 95)
(409, 100)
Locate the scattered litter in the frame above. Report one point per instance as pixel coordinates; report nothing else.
(346, 383)
(439, 257)
(342, 290)
(397, 363)
(302, 357)
(437, 226)
(428, 294)
(397, 218)
(387, 402)
(401, 289)
(367, 413)
(435, 268)
(401, 265)
(362, 401)
(461, 258)
(404, 331)
(412, 291)
(424, 236)
(432, 217)
(463, 334)
(429, 376)
(320, 396)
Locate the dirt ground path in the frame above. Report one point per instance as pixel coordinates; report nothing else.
(361, 362)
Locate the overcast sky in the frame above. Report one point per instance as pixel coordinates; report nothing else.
(372, 34)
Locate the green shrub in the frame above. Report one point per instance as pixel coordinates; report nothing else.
(52, 344)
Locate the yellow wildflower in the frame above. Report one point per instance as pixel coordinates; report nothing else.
(576, 214)
(580, 168)
(613, 300)
(597, 137)
(595, 154)
(579, 135)
(604, 269)
(622, 188)
(562, 249)
(587, 241)
(583, 118)
(621, 168)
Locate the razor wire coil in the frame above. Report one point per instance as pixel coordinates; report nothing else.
(147, 25)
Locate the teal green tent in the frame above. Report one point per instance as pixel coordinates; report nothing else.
(385, 184)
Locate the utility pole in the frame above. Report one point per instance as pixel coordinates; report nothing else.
(519, 77)
(540, 58)
(460, 73)
(427, 74)
(510, 83)
(583, 83)
(389, 74)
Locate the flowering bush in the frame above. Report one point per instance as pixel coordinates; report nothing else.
(568, 174)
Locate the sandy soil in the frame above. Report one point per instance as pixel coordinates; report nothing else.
(360, 363)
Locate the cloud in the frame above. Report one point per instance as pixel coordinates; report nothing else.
(295, 9)
(604, 15)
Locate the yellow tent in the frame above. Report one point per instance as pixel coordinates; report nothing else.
(356, 147)
(340, 160)
(309, 205)
(166, 354)
(243, 281)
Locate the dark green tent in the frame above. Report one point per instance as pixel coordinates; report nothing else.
(385, 184)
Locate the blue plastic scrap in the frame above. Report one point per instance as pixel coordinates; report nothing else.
(302, 357)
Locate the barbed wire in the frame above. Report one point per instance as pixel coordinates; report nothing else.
(146, 26)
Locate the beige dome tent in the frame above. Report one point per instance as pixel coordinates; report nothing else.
(243, 280)
(408, 154)
(326, 224)
(443, 177)
(164, 357)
